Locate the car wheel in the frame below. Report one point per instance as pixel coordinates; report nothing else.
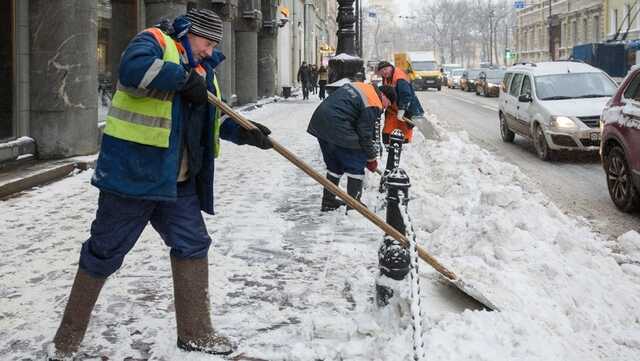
(540, 143)
(619, 182)
(506, 133)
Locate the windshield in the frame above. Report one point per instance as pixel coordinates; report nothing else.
(457, 72)
(574, 85)
(473, 74)
(495, 75)
(424, 65)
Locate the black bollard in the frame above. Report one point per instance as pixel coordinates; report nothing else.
(394, 150)
(394, 258)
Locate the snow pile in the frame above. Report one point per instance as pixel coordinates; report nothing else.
(561, 294)
(615, 114)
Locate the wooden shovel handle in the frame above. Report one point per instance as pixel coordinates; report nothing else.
(245, 123)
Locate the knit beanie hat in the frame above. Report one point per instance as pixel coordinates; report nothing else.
(383, 64)
(205, 23)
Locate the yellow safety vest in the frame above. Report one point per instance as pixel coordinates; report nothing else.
(144, 116)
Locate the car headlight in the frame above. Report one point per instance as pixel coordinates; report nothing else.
(562, 122)
(472, 81)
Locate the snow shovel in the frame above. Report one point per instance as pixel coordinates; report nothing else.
(423, 254)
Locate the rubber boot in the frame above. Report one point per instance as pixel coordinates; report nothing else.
(191, 294)
(84, 293)
(354, 189)
(329, 200)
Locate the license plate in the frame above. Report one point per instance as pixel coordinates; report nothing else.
(595, 136)
(430, 81)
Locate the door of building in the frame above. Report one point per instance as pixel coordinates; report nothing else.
(7, 72)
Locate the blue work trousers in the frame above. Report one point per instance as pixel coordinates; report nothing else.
(340, 160)
(120, 221)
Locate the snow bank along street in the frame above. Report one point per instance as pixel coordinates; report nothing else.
(291, 283)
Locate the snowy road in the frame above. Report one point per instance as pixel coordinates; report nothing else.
(575, 183)
(290, 283)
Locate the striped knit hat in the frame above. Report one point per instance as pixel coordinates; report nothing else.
(205, 23)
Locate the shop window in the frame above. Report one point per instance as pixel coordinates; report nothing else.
(7, 79)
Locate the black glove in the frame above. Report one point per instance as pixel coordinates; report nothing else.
(195, 89)
(258, 136)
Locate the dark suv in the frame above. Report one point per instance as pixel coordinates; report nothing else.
(620, 146)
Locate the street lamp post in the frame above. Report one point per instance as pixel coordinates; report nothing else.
(346, 64)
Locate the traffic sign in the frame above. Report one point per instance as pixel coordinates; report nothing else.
(519, 4)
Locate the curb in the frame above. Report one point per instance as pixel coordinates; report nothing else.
(43, 173)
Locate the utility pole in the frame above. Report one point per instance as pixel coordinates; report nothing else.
(552, 52)
(491, 33)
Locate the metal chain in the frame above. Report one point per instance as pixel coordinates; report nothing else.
(416, 297)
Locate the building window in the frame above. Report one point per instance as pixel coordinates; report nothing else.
(585, 30)
(7, 80)
(614, 22)
(574, 32)
(596, 29)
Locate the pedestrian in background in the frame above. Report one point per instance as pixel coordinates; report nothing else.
(407, 104)
(345, 125)
(156, 165)
(314, 78)
(323, 78)
(304, 78)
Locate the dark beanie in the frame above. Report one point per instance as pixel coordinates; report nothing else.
(389, 92)
(205, 23)
(384, 64)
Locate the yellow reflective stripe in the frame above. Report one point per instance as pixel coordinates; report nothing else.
(137, 133)
(146, 106)
(216, 121)
(139, 118)
(151, 73)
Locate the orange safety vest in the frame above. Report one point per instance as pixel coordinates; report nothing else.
(391, 121)
(368, 95)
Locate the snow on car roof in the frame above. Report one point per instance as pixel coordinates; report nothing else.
(556, 67)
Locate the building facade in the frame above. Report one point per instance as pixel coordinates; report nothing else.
(61, 58)
(546, 27)
(622, 20)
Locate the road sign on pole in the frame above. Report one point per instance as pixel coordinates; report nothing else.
(519, 4)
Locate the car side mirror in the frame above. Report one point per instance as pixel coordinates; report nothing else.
(525, 98)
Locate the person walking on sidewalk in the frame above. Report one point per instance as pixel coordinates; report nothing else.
(314, 78)
(407, 106)
(323, 78)
(305, 78)
(156, 166)
(344, 124)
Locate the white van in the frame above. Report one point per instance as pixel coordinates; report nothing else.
(555, 104)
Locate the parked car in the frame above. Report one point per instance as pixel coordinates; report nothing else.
(555, 104)
(468, 79)
(489, 82)
(453, 80)
(620, 146)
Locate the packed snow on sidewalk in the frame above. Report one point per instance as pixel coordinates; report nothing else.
(290, 283)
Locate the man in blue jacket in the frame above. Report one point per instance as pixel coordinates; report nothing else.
(156, 165)
(344, 124)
